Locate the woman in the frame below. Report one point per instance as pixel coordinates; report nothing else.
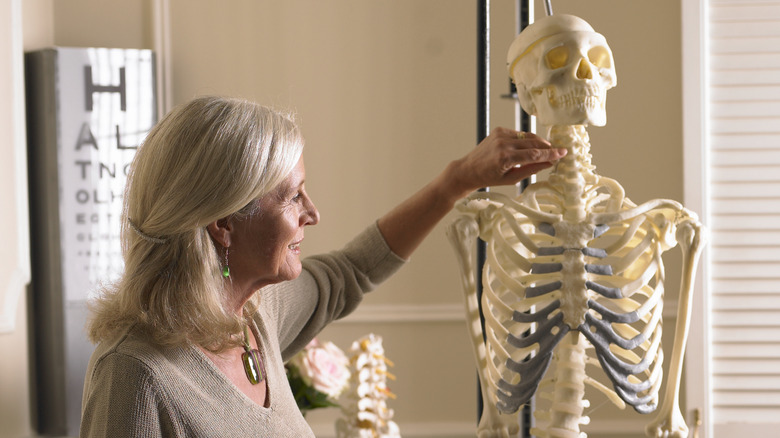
(214, 298)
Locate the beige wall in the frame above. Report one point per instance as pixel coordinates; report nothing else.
(385, 93)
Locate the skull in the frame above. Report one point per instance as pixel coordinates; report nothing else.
(562, 69)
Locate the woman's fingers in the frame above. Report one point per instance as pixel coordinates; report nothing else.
(504, 157)
(519, 173)
(525, 148)
(535, 154)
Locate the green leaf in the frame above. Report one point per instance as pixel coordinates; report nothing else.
(306, 397)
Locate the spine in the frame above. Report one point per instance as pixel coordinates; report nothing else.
(574, 173)
(569, 389)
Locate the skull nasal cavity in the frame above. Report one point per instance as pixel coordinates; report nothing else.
(584, 71)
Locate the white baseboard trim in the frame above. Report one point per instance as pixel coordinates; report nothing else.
(466, 429)
(394, 313)
(414, 430)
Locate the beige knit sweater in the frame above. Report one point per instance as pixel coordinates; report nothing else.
(135, 388)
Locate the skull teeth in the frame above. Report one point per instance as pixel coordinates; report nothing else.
(582, 98)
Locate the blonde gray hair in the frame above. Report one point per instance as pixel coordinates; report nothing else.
(205, 160)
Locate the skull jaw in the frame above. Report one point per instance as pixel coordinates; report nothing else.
(572, 107)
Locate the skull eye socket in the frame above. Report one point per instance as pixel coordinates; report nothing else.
(599, 56)
(557, 57)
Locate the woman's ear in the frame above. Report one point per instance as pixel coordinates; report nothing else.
(220, 231)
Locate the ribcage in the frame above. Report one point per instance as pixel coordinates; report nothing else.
(623, 321)
(543, 279)
(523, 321)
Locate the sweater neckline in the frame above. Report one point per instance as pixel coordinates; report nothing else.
(271, 376)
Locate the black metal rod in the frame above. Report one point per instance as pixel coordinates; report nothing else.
(524, 17)
(523, 8)
(483, 69)
(548, 7)
(483, 127)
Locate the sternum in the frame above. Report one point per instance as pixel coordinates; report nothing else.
(574, 292)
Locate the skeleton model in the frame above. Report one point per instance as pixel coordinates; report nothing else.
(366, 414)
(573, 278)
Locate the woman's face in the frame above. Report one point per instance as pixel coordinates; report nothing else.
(265, 247)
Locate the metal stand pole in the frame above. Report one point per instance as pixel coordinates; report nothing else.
(525, 13)
(483, 127)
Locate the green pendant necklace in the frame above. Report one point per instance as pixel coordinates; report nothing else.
(253, 363)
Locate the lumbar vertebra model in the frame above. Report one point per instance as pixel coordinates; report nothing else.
(573, 278)
(366, 414)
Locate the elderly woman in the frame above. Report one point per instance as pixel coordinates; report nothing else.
(214, 297)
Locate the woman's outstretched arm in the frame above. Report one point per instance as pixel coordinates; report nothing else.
(504, 157)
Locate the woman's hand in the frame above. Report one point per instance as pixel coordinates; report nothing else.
(504, 157)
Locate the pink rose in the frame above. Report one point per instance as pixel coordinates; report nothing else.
(325, 367)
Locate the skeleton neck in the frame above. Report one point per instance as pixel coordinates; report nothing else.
(573, 175)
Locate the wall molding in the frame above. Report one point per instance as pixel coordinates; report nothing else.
(398, 313)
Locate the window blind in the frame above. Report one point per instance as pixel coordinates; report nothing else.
(744, 142)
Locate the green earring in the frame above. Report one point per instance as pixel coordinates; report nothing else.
(226, 268)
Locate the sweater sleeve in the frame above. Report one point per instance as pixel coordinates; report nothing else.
(122, 400)
(330, 287)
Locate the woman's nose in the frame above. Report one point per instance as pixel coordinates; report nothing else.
(312, 214)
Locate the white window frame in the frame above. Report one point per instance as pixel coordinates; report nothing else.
(12, 73)
(695, 177)
(696, 145)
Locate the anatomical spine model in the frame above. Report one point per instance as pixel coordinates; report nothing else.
(365, 410)
(573, 279)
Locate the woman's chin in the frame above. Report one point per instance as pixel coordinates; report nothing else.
(291, 271)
